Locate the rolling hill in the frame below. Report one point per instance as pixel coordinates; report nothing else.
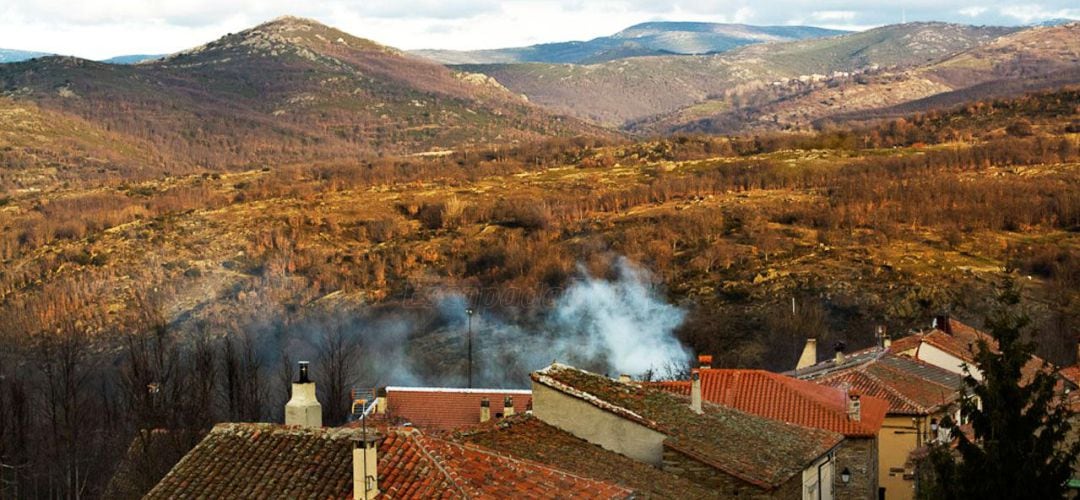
(284, 91)
(646, 39)
(620, 93)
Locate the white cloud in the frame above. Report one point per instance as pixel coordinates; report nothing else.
(972, 11)
(833, 15)
(1029, 13)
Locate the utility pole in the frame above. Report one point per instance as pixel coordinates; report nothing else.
(469, 311)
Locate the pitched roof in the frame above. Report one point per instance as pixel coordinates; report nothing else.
(779, 397)
(754, 449)
(274, 461)
(448, 409)
(528, 437)
(477, 472)
(960, 341)
(910, 386)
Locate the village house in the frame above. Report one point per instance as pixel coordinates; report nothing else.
(302, 459)
(918, 394)
(845, 410)
(734, 453)
(951, 345)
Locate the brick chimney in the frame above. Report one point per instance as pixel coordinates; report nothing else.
(809, 354)
(303, 409)
(941, 322)
(704, 361)
(695, 392)
(508, 406)
(365, 461)
(854, 407)
(485, 410)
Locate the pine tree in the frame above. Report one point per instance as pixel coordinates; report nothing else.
(1021, 447)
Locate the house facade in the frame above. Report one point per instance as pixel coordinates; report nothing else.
(732, 453)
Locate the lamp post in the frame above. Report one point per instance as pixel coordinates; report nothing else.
(469, 312)
(845, 475)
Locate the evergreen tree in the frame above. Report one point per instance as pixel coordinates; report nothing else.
(1021, 447)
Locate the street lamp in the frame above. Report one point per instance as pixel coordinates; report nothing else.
(469, 312)
(845, 475)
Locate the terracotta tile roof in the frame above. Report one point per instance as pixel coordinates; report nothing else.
(448, 409)
(263, 461)
(960, 341)
(1072, 374)
(527, 437)
(422, 466)
(779, 397)
(757, 450)
(274, 461)
(910, 386)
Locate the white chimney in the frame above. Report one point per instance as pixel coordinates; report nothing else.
(303, 409)
(485, 410)
(508, 406)
(626, 379)
(809, 354)
(695, 392)
(854, 407)
(365, 461)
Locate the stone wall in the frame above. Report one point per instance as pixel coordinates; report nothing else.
(726, 485)
(860, 456)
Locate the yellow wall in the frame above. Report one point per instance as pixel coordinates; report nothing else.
(899, 436)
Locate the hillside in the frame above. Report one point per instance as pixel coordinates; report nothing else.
(1033, 59)
(619, 93)
(285, 91)
(655, 38)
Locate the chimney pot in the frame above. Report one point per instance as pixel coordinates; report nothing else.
(303, 408)
(705, 361)
(840, 352)
(695, 392)
(508, 406)
(303, 373)
(485, 410)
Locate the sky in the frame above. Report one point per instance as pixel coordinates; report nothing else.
(98, 29)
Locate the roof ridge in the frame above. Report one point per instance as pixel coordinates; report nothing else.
(436, 461)
(788, 382)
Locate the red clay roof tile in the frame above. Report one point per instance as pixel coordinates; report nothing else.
(779, 397)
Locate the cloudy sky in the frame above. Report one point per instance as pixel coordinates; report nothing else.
(103, 28)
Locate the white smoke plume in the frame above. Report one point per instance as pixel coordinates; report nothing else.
(614, 327)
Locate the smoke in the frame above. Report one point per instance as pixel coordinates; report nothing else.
(609, 326)
(622, 322)
(612, 326)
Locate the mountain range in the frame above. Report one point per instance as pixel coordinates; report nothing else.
(287, 90)
(646, 39)
(625, 92)
(293, 90)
